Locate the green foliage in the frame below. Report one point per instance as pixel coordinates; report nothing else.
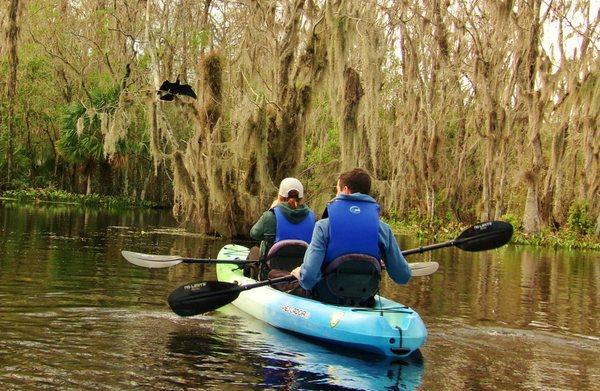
(318, 154)
(144, 61)
(562, 239)
(88, 144)
(319, 167)
(425, 228)
(71, 147)
(513, 220)
(578, 220)
(200, 38)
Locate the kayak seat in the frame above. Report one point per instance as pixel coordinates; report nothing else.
(286, 254)
(349, 280)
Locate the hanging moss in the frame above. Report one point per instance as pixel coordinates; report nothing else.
(182, 179)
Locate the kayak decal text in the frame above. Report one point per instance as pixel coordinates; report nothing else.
(483, 226)
(296, 311)
(195, 287)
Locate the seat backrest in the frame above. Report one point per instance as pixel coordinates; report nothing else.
(349, 280)
(286, 254)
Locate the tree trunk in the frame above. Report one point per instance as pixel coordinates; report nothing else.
(145, 185)
(12, 36)
(349, 138)
(531, 215)
(489, 167)
(88, 188)
(551, 199)
(534, 104)
(126, 180)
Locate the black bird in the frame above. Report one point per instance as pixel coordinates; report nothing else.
(168, 90)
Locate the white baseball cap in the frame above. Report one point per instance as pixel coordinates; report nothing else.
(289, 184)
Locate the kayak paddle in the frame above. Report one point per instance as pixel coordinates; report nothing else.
(159, 261)
(200, 297)
(197, 298)
(480, 237)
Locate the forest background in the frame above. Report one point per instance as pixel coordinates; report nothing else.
(461, 110)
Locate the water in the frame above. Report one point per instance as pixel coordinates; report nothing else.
(75, 315)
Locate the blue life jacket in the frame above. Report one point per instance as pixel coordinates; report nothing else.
(353, 229)
(287, 230)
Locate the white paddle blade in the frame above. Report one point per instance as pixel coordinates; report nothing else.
(420, 269)
(151, 261)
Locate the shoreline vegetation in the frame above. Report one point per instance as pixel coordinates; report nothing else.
(569, 238)
(576, 235)
(51, 195)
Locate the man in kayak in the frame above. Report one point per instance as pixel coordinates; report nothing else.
(351, 226)
(287, 219)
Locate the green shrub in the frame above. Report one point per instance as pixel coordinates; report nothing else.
(579, 221)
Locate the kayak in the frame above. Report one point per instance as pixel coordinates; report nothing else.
(388, 329)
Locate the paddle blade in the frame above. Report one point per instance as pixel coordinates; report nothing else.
(200, 297)
(485, 236)
(420, 269)
(151, 261)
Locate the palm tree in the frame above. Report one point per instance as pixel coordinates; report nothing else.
(81, 138)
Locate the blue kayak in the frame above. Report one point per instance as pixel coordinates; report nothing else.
(388, 329)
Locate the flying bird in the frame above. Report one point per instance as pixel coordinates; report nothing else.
(168, 90)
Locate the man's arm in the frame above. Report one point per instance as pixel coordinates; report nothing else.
(310, 271)
(396, 264)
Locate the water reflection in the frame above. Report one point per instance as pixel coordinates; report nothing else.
(286, 361)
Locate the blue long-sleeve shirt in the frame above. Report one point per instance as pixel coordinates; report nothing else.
(310, 271)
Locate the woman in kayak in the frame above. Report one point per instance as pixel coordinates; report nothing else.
(287, 219)
(287, 216)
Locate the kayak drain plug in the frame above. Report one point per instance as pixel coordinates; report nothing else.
(392, 340)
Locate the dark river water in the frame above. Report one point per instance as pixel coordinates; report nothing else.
(75, 315)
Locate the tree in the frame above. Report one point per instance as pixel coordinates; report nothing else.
(12, 37)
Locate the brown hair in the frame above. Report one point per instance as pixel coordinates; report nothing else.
(292, 199)
(357, 180)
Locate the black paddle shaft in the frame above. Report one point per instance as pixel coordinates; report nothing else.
(422, 249)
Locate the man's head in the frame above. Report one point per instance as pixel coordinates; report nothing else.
(354, 181)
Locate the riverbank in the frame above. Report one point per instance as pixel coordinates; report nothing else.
(64, 197)
(567, 237)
